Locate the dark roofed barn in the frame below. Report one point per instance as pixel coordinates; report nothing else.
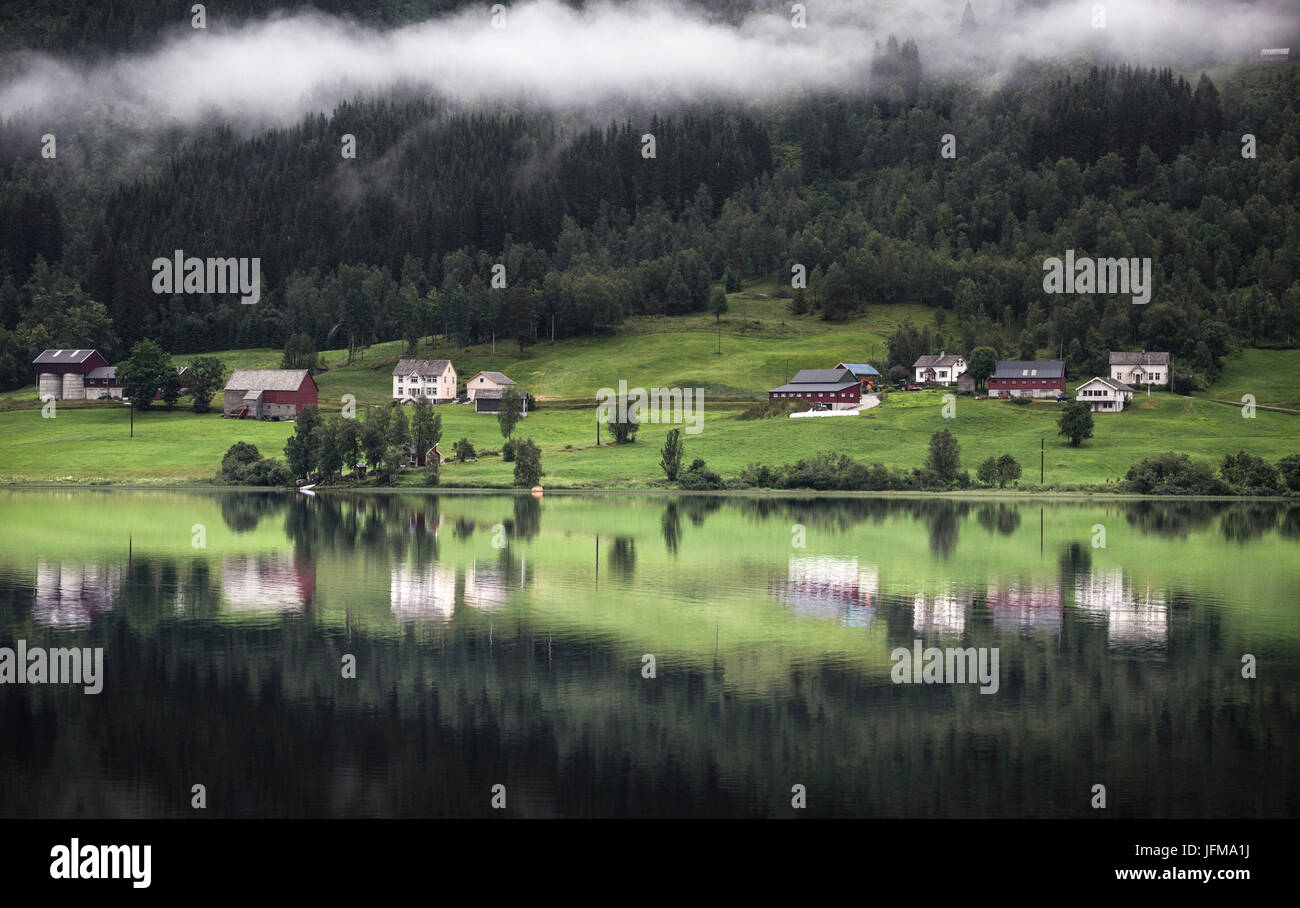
(838, 388)
(61, 374)
(269, 393)
(1026, 378)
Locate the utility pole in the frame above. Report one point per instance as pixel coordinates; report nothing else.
(1042, 458)
(133, 417)
(719, 341)
(552, 330)
(494, 343)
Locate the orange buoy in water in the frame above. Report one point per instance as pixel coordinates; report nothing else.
(537, 491)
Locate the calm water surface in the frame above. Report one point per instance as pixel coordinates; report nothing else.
(501, 640)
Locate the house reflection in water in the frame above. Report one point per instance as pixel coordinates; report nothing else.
(485, 586)
(1036, 609)
(428, 592)
(1132, 618)
(829, 587)
(941, 614)
(423, 593)
(71, 594)
(276, 582)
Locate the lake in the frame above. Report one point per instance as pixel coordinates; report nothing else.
(628, 655)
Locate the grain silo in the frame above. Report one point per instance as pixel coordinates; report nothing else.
(50, 385)
(61, 373)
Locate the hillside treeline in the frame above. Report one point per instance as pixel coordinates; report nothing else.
(401, 241)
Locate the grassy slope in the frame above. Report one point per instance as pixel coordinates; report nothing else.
(758, 337)
(1273, 376)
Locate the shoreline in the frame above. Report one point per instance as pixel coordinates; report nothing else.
(956, 494)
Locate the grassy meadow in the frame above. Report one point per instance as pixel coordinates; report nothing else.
(761, 344)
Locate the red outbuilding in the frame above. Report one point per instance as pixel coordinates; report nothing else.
(837, 388)
(1015, 378)
(269, 393)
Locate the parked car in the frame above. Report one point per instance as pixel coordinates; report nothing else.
(1062, 396)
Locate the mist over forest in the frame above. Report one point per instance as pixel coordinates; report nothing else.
(775, 145)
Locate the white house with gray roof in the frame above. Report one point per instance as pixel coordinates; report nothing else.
(941, 369)
(488, 381)
(1104, 395)
(1139, 369)
(432, 379)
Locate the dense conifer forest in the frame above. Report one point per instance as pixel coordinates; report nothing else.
(1107, 160)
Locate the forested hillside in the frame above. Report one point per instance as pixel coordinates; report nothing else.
(400, 242)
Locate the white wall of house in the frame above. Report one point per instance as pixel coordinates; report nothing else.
(943, 375)
(483, 382)
(1141, 375)
(1102, 398)
(434, 387)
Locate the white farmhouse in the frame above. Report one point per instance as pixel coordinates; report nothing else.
(434, 379)
(1104, 395)
(487, 381)
(1139, 369)
(938, 370)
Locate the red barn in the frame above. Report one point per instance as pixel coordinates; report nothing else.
(61, 374)
(269, 393)
(838, 388)
(1015, 378)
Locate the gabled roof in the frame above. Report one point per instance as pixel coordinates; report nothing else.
(859, 368)
(63, 357)
(816, 387)
(1108, 382)
(421, 366)
(821, 376)
(939, 359)
(1138, 359)
(102, 373)
(267, 379)
(1016, 368)
(499, 377)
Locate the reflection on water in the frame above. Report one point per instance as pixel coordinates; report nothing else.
(1035, 608)
(828, 587)
(72, 594)
(943, 615)
(423, 594)
(501, 638)
(268, 583)
(1131, 617)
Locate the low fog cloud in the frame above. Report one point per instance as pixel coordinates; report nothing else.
(274, 71)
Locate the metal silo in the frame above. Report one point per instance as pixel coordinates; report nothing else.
(51, 385)
(74, 386)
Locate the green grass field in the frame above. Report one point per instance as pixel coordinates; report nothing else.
(761, 344)
(1273, 376)
(91, 445)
